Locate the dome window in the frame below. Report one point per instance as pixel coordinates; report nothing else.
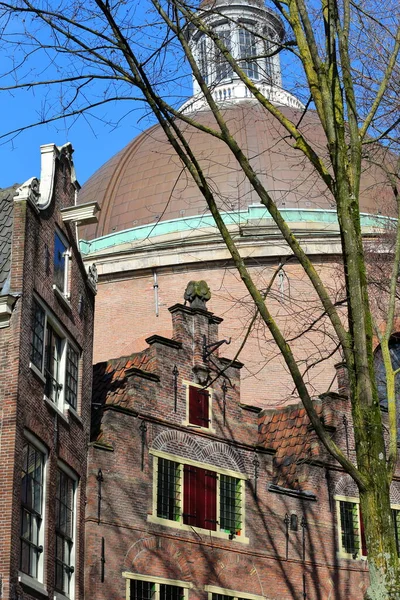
(223, 69)
(247, 50)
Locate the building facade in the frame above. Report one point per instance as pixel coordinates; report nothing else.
(46, 335)
(194, 495)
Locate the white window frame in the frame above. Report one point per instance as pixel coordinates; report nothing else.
(186, 586)
(213, 589)
(179, 524)
(49, 320)
(342, 552)
(37, 583)
(338, 499)
(186, 422)
(61, 466)
(64, 293)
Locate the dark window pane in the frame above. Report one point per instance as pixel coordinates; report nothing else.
(349, 528)
(230, 504)
(168, 490)
(223, 68)
(142, 590)
(31, 508)
(64, 531)
(71, 377)
(248, 49)
(396, 522)
(59, 262)
(37, 341)
(53, 364)
(171, 592)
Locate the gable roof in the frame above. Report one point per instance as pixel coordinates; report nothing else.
(6, 224)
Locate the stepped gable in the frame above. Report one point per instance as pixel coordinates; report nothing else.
(6, 223)
(288, 432)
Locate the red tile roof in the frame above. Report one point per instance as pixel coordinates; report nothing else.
(288, 432)
(110, 382)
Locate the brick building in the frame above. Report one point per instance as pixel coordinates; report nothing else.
(194, 495)
(46, 324)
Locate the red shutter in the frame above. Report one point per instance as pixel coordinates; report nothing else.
(210, 516)
(190, 495)
(198, 406)
(364, 551)
(199, 498)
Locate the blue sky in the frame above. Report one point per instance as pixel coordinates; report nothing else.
(92, 136)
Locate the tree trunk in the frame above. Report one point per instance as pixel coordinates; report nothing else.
(384, 566)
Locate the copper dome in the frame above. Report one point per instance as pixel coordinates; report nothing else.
(145, 182)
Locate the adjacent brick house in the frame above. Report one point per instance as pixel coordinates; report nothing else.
(46, 324)
(192, 494)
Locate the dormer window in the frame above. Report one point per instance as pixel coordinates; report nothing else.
(61, 264)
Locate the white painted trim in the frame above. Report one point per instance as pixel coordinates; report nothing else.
(205, 532)
(197, 463)
(341, 552)
(157, 582)
(186, 422)
(178, 524)
(81, 214)
(154, 579)
(27, 579)
(50, 319)
(213, 589)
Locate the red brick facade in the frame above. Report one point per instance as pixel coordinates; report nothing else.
(54, 429)
(142, 417)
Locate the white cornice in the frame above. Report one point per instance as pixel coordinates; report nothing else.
(6, 305)
(81, 214)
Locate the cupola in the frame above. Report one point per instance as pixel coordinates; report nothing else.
(252, 33)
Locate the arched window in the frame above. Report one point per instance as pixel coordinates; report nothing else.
(394, 348)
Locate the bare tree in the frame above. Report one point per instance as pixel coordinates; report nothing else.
(347, 52)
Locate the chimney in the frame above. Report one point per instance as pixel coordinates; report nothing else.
(194, 326)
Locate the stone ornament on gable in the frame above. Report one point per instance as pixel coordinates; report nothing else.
(197, 293)
(93, 277)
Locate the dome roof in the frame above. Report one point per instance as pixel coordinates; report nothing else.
(146, 182)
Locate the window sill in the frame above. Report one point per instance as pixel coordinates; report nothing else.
(33, 584)
(207, 532)
(55, 408)
(198, 427)
(346, 556)
(72, 411)
(38, 373)
(63, 297)
(60, 596)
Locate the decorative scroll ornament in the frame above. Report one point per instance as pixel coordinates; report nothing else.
(29, 191)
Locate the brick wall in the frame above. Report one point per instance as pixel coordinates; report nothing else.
(127, 300)
(272, 563)
(22, 403)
